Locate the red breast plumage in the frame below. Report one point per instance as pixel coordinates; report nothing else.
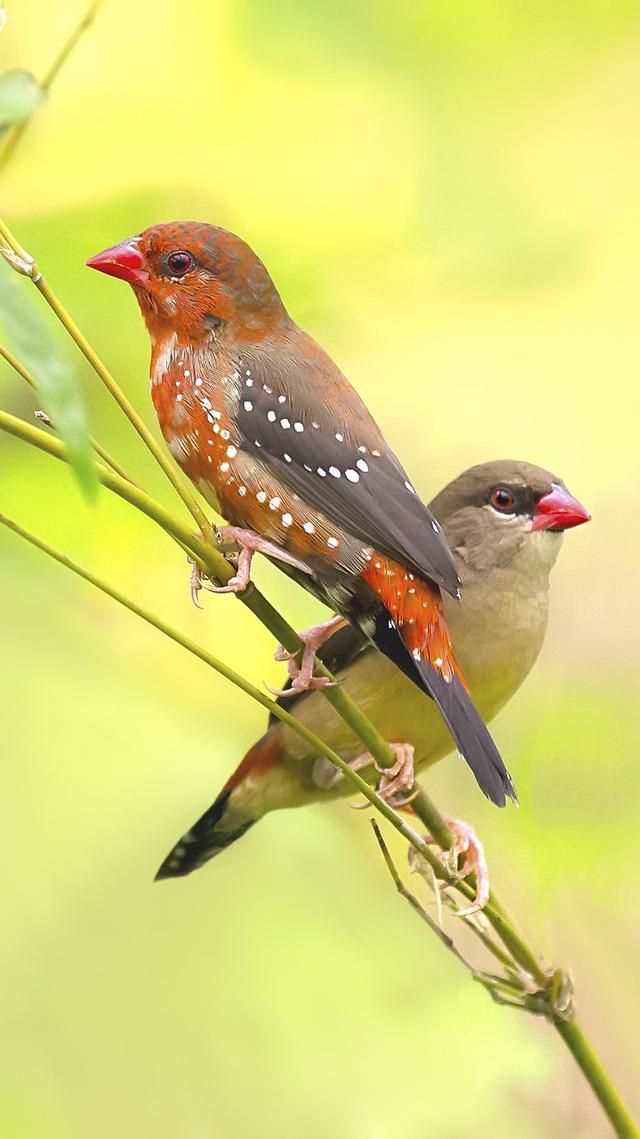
(275, 437)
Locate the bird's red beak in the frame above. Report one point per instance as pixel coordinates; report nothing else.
(559, 510)
(124, 261)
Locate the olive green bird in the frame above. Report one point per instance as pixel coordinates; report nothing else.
(504, 522)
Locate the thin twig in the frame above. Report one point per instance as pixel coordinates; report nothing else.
(552, 1000)
(415, 904)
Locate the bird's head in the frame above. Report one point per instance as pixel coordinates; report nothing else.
(498, 512)
(190, 278)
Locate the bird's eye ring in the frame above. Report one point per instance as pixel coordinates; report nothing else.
(502, 499)
(179, 263)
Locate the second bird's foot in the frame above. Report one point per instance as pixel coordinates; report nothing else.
(466, 845)
(394, 780)
(399, 778)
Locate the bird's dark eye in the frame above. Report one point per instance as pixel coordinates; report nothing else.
(502, 499)
(179, 263)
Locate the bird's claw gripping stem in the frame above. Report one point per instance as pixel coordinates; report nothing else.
(393, 780)
(466, 844)
(400, 777)
(248, 543)
(302, 678)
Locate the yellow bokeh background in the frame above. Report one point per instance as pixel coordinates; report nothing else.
(447, 196)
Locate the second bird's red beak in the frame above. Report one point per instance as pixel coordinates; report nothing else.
(559, 510)
(124, 261)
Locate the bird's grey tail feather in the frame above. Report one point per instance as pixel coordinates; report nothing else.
(462, 718)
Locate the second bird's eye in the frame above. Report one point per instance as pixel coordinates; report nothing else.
(179, 262)
(502, 499)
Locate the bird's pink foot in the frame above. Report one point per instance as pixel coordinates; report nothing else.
(466, 844)
(393, 780)
(302, 677)
(248, 543)
(400, 777)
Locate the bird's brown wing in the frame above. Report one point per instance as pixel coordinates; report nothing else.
(339, 464)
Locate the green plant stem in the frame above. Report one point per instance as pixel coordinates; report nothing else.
(591, 1067)
(214, 563)
(568, 1029)
(429, 814)
(26, 375)
(15, 133)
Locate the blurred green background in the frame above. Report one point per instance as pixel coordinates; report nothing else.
(447, 195)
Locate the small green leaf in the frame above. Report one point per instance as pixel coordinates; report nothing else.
(20, 96)
(57, 382)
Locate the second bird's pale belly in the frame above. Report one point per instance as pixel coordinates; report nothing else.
(402, 712)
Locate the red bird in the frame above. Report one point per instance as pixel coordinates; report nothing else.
(278, 441)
